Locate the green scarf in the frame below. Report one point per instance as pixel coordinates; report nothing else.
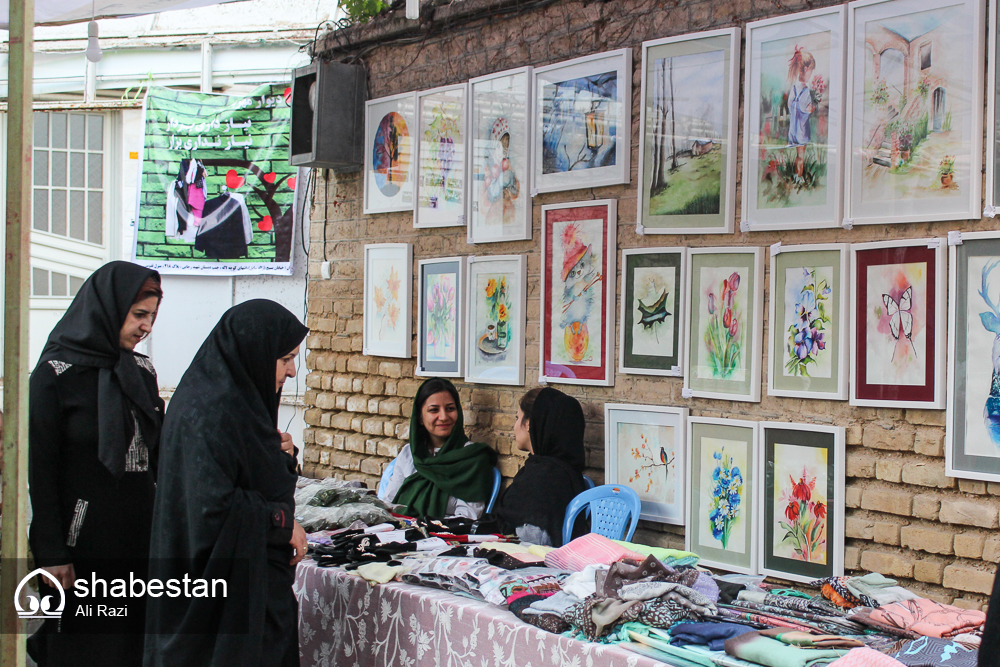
(465, 472)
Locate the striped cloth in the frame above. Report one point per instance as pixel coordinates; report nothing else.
(591, 549)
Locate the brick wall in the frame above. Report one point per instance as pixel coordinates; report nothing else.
(905, 518)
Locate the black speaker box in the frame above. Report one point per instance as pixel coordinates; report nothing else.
(328, 116)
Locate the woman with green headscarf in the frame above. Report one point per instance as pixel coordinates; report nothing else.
(441, 472)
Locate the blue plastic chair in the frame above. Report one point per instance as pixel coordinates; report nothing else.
(614, 512)
(496, 490)
(383, 483)
(589, 482)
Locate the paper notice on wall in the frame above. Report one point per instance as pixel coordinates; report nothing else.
(216, 191)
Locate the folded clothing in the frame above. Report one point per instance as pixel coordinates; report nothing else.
(378, 573)
(583, 584)
(712, 634)
(472, 576)
(932, 651)
(836, 591)
(929, 618)
(863, 615)
(671, 557)
(866, 657)
(809, 639)
(589, 549)
(754, 647)
(879, 588)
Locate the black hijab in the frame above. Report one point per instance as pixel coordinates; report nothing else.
(89, 334)
(553, 474)
(222, 479)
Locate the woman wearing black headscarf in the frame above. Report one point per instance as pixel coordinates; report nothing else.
(94, 424)
(550, 428)
(225, 500)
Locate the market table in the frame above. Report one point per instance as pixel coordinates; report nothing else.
(345, 622)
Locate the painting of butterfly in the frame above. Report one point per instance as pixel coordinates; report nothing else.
(896, 326)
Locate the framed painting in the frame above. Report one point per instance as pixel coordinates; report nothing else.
(390, 153)
(688, 126)
(992, 117)
(722, 512)
(802, 468)
(583, 122)
(441, 177)
(793, 123)
(898, 324)
(724, 317)
(645, 452)
(915, 89)
(972, 435)
(807, 318)
(651, 311)
(440, 316)
(495, 329)
(500, 132)
(388, 293)
(578, 293)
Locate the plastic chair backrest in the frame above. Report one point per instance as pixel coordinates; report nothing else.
(496, 490)
(588, 482)
(383, 483)
(614, 512)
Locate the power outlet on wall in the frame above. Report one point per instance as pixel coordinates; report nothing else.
(324, 270)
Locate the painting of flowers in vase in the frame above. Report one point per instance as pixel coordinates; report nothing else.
(722, 332)
(493, 325)
(721, 505)
(800, 507)
(808, 316)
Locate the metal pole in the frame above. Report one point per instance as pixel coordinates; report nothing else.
(13, 534)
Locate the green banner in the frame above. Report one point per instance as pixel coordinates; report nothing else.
(216, 189)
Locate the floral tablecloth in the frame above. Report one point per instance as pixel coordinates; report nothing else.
(346, 622)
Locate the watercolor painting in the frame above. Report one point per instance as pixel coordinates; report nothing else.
(385, 282)
(580, 123)
(794, 121)
(575, 283)
(800, 506)
(493, 318)
(654, 310)
(391, 154)
(722, 327)
(896, 324)
(723, 491)
(916, 101)
(442, 163)
(687, 122)
(982, 381)
(441, 308)
(808, 318)
(500, 185)
(646, 460)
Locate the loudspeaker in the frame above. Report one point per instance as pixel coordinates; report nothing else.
(328, 116)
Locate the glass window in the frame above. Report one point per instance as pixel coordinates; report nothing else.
(39, 282)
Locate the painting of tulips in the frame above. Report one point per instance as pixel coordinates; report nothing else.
(439, 334)
(803, 500)
(725, 320)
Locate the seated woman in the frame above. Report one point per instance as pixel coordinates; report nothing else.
(550, 428)
(441, 472)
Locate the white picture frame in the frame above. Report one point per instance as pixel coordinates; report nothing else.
(431, 364)
(631, 356)
(820, 35)
(387, 315)
(681, 219)
(876, 386)
(992, 194)
(494, 110)
(880, 185)
(378, 143)
(719, 376)
(493, 365)
(552, 172)
(668, 504)
(833, 388)
(441, 170)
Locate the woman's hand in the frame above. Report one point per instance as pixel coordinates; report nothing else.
(298, 541)
(65, 574)
(287, 446)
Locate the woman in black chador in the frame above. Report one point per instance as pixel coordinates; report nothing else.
(225, 501)
(95, 416)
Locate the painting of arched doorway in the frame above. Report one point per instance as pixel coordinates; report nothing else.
(938, 110)
(892, 70)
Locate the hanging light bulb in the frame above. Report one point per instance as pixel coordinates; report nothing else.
(93, 46)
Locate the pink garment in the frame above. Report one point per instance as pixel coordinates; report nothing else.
(865, 657)
(591, 549)
(196, 201)
(929, 618)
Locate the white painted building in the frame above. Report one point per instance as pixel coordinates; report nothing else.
(88, 139)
